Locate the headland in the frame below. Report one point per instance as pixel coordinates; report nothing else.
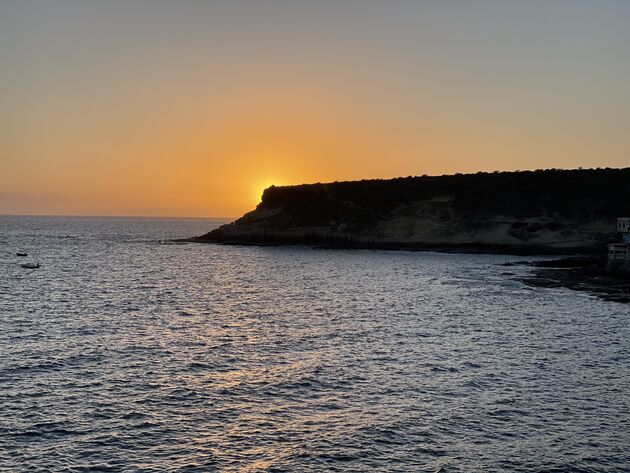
(521, 212)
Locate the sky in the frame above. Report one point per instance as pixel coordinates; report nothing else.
(192, 108)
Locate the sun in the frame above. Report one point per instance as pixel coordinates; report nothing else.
(260, 188)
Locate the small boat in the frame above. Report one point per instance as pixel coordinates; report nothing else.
(30, 265)
(19, 253)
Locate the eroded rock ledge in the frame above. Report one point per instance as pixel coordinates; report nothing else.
(586, 273)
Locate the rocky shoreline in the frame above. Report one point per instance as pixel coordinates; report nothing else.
(585, 274)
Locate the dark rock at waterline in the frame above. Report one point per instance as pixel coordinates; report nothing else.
(581, 274)
(573, 262)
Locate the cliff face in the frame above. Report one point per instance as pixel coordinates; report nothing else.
(523, 212)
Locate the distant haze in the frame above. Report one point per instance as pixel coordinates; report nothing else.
(192, 108)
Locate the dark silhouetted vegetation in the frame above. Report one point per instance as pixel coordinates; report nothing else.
(581, 195)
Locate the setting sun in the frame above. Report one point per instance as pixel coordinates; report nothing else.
(261, 188)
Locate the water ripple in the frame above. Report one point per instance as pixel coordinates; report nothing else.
(123, 354)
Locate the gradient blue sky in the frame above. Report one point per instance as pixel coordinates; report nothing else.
(191, 108)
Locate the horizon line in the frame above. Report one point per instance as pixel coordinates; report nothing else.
(118, 216)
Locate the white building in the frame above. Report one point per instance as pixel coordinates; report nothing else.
(619, 253)
(623, 227)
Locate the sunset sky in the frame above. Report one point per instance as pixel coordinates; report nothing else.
(191, 108)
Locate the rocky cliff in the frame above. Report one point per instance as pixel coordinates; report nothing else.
(529, 212)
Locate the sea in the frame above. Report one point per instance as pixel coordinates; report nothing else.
(127, 351)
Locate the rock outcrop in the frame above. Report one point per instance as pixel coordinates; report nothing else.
(528, 212)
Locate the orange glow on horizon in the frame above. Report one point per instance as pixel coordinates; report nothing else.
(194, 110)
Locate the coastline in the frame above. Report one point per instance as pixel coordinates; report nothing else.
(548, 213)
(552, 212)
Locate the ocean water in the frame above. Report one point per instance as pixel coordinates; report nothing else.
(127, 353)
